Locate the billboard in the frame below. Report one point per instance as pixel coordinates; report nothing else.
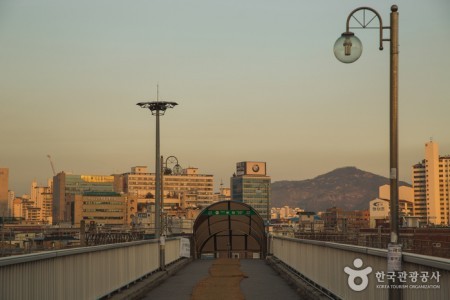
(251, 168)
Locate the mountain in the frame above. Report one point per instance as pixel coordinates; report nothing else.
(348, 188)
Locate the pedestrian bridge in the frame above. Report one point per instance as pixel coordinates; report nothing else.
(131, 269)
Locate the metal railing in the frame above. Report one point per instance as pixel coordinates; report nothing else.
(323, 264)
(81, 273)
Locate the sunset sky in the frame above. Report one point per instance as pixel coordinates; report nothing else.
(255, 80)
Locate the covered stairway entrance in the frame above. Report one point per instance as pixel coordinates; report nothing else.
(229, 229)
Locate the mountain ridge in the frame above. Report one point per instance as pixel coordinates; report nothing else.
(348, 188)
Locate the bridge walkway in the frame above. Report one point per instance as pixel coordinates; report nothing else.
(261, 282)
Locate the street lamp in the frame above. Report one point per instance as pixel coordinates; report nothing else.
(166, 170)
(157, 108)
(347, 49)
(171, 166)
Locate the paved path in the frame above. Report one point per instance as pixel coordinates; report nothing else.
(262, 282)
(180, 285)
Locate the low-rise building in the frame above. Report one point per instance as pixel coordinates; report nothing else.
(309, 222)
(336, 219)
(285, 212)
(224, 194)
(379, 208)
(103, 208)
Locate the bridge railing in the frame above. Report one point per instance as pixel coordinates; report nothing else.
(81, 273)
(323, 265)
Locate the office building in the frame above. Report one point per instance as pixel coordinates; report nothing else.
(251, 185)
(431, 180)
(4, 175)
(379, 208)
(183, 190)
(67, 185)
(103, 208)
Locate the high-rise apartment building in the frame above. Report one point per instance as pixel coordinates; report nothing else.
(251, 185)
(67, 185)
(187, 189)
(431, 180)
(4, 174)
(42, 198)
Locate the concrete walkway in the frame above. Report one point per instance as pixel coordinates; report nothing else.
(180, 285)
(262, 282)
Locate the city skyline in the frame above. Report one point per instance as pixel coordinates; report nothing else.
(254, 81)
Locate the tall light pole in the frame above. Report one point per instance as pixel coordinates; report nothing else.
(347, 49)
(157, 108)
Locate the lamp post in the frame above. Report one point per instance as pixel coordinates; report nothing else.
(171, 166)
(347, 49)
(175, 170)
(157, 108)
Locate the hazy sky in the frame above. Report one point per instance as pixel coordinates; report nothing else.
(254, 79)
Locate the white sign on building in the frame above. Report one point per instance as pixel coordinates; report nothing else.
(251, 168)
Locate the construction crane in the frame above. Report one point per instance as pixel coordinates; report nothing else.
(51, 164)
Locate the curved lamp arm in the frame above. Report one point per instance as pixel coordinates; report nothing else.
(365, 25)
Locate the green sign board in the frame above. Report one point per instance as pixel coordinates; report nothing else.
(221, 212)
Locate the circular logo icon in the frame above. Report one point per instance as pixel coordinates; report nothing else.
(361, 274)
(255, 168)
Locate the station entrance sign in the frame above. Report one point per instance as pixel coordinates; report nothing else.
(223, 212)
